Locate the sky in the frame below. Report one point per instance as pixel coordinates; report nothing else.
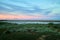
(29, 9)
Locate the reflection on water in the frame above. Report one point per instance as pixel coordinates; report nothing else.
(30, 22)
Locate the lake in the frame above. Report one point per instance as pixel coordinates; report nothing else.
(30, 22)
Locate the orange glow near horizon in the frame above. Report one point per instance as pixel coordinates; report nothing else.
(7, 16)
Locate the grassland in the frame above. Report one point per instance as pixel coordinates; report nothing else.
(12, 31)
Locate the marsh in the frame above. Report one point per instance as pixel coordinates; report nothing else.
(15, 31)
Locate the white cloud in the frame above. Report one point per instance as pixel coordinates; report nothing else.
(7, 7)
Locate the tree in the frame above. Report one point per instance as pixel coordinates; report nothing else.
(50, 24)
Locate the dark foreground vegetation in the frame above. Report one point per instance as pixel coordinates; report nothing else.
(11, 31)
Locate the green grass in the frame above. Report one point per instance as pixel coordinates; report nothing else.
(50, 31)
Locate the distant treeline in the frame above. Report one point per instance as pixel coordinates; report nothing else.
(35, 20)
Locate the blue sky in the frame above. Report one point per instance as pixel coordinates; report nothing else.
(36, 9)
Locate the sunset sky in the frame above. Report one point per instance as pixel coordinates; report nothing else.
(29, 9)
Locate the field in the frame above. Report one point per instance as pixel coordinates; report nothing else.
(13, 31)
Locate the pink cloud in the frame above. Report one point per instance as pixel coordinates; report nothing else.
(7, 16)
(16, 17)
